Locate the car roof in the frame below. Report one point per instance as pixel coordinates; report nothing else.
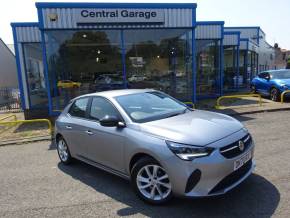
(274, 71)
(115, 93)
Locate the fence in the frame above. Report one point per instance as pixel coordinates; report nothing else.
(9, 100)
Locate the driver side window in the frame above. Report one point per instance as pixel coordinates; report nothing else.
(100, 108)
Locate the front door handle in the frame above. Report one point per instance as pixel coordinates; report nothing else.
(89, 132)
(68, 127)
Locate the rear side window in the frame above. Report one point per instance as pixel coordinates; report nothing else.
(264, 75)
(261, 75)
(101, 107)
(79, 107)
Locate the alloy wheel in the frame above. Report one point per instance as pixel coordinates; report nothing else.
(153, 182)
(274, 94)
(62, 150)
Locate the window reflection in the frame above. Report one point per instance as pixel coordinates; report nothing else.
(207, 59)
(230, 68)
(81, 62)
(35, 75)
(160, 59)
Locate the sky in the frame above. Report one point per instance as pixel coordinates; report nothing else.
(273, 16)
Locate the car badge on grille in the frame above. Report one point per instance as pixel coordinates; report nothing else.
(241, 145)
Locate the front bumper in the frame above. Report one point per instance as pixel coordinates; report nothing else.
(209, 176)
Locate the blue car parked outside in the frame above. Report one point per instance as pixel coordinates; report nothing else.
(271, 83)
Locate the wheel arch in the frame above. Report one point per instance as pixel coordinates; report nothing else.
(273, 86)
(138, 156)
(58, 136)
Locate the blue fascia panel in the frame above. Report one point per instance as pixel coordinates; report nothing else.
(117, 28)
(242, 27)
(238, 33)
(45, 65)
(19, 73)
(24, 24)
(194, 68)
(221, 60)
(244, 39)
(41, 5)
(210, 22)
(232, 32)
(249, 27)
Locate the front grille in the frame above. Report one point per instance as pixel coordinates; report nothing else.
(232, 178)
(233, 150)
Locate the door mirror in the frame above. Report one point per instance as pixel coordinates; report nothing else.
(111, 121)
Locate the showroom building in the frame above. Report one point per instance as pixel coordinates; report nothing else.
(78, 48)
(89, 47)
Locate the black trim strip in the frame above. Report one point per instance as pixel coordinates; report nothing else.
(106, 168)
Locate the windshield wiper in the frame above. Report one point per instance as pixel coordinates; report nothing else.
(178, 113)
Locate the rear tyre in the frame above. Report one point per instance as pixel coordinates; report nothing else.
(151, 182)
(63, 151)
(275, 94)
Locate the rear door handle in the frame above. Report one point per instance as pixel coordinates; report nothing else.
(68, 127)
(89, 132)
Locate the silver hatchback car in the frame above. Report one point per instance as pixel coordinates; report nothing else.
(164, 147)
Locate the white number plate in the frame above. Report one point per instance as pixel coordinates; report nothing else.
(241, 161)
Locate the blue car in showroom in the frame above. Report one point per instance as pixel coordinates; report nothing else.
(271, 83)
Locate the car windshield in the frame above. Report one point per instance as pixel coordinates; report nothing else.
(283, 74)
(150, 106)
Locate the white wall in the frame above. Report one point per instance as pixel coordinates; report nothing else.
(8, 71)
(266, 54)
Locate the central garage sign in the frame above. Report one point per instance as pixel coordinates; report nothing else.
(87, 16)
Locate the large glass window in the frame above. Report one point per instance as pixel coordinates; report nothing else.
(160, 59)
(252, 68)
(81, 62)
(35, 75)
(243, 78)
(85, 61)
(207, 60)
(230, 68)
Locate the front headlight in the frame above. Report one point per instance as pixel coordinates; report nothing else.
(188, 152)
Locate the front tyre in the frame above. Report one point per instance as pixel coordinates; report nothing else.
(275, 94)
(151, 182)
(253, 89)
(63, 151)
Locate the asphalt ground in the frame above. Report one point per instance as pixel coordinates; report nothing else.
(34, 184)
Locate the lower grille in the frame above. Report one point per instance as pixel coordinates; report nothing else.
(232, 178)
